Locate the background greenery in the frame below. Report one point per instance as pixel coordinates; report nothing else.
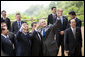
(40, 11)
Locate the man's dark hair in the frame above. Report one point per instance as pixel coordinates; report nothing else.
(3, 21)
(17, 13)
(52, 8)
(3, 11)
(72, 13)
(33, 23)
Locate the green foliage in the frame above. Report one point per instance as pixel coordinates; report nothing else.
(40, 11)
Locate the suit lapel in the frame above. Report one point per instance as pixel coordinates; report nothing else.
(16, 25)
(52, 18)
(71, 32)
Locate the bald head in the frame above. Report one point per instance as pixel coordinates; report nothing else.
(73, 23)
(42, 23)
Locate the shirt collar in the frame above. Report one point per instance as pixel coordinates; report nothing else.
(61, 17)
(4, 18)
(5, 35)
(53, 14)
(18, 21)
(72, 28)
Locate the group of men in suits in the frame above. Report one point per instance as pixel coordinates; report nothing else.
(18, 41)
(62, 36)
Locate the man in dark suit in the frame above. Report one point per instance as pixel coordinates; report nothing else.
(73, 40)
(5, 19)
(23, 43)
(49, 43)
(60, 31)
(17, 24)
(6, 44)
(10, 34)
(52, 17)
(36, 41)
(72, 15)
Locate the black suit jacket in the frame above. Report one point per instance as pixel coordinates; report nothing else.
(15, 26)
(12, 37)
(70, 42)
(36, 45)
(50, 19)
(62, 27)
(7, 20)
(78, 23)
(6, 46)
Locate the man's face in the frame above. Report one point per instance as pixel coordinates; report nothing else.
(73, 23)
(72, 16)
(60, 12)
(5, 31)
(43, 23)
(34, 26)
(4, 14)
(54, 10)
(18, 17)
(25, 28)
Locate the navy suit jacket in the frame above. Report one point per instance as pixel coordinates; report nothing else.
(23, 43)
(6, 46)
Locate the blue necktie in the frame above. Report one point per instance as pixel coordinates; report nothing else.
(19, 25)
(43, 33)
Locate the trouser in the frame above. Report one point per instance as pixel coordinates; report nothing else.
(76, 52)
(60, 42)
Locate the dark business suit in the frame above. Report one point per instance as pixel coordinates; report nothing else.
(15, 26)
(49, 44)
(7, 20)
(6, 46)
(37, 45)
(12, 38)
(23, 43)
(78, 23)
(59, 37)
(51, 20)
(71, 43)
(23, 47)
